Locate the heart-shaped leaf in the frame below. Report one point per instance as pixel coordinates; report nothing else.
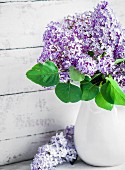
(89, 91)
(45, 74)
(75, 74)
(88, 78)
(115, 92)
(68, 92)
(105, 91)
(101, 102)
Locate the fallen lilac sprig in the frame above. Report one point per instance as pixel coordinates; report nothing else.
(60, 149)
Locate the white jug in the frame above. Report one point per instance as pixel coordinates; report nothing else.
(100, 134)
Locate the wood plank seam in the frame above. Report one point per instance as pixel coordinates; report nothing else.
(55, 1)
(22, 1)
(34, 113)
(21, 48)
(13, 60)
(10, 94)
(19, 137)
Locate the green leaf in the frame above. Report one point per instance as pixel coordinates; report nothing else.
(68, 92)
(45, 74)
(119, 60)
(96, 75)
(105, 91)
(88, 78)
(75, 74)
(102, 55)
(101, 102)
(91, 53)
(82, 83)
(115, 92)
(89, 91)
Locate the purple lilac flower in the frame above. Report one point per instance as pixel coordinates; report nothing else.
(60, 149)
(106, 65)
(68, 42)
(86, 65)
(119, 74)
(64, 76)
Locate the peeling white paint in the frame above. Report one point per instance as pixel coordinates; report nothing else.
(25, 117)
(13, 65)
(34, 113)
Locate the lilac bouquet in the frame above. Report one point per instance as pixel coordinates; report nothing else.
(88, 48)
(59, 150)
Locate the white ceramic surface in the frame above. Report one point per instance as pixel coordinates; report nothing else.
(100, 135)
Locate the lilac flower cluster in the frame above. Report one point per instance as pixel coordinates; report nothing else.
(68, 42)
(60, 149)
(119, 74)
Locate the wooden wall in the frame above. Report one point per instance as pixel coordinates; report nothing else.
(28, 114)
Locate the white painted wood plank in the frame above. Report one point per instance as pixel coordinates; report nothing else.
(34, 113)
(17, 166)
(79, 165)
(19, 149)
(13, 67)
(24, 118)
(22, 24)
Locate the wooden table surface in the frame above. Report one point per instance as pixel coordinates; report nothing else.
(79, 165)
